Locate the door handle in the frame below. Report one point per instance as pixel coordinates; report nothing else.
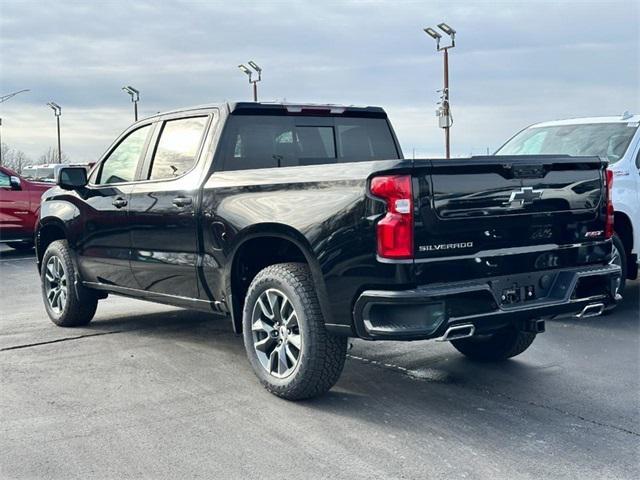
(119, 202)
(182, 201)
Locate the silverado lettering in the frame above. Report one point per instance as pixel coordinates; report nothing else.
(444, 246)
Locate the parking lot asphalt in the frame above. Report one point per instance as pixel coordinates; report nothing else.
(148, 391)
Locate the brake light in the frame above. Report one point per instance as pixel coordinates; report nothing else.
(608, 225)
(395, 229)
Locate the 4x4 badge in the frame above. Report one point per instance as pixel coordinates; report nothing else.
(523, 196)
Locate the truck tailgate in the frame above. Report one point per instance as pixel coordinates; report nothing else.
(488, 206)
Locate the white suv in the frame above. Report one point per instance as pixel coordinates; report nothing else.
(616, 139)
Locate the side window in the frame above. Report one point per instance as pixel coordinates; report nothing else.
(257, 142)
(4, 180)
(120, 166)
(177, 147)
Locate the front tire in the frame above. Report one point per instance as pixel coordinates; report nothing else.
(501, 345)
(291, 352)
(66, 305)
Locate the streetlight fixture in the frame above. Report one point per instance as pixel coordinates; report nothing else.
(57, 111)
(3, 99)
(249, 73)
(445, 120)
(135, 96)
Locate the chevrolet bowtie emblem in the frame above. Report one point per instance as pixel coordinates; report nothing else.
(520, 198)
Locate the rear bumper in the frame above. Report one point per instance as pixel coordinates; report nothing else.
(486, 304)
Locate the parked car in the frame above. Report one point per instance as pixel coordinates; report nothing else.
(19, 208)
(48, 172)
(306, 226)
(616, 139)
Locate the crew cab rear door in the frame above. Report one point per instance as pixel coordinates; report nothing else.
(486, 204)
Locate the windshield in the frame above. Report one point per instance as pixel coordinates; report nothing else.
(607, 140)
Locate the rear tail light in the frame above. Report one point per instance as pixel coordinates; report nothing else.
(395, 229)
(608, 226)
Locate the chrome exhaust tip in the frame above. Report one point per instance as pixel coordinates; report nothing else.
(456, 332)
(591, 310)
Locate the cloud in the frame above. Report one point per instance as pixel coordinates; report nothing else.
(515, 63)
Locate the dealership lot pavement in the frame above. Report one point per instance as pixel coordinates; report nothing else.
(148, 391)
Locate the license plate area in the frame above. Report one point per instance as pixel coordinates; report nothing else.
(520, 289)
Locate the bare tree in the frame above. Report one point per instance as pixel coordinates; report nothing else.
(14, 159)
(51, 156)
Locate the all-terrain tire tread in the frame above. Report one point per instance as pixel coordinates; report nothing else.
(81, 302)
(327, 352)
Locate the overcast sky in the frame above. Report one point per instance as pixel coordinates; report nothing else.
(515, 63)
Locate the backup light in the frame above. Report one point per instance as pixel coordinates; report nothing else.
(608, 225)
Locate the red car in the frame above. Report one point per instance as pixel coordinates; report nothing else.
(19, 208)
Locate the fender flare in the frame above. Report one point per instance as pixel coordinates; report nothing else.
(284, 232)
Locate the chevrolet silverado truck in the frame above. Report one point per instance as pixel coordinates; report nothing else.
(19, 208)
(616, 139)
(306, 226)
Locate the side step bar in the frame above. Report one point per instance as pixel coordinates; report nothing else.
(591, 310)
(456, 332)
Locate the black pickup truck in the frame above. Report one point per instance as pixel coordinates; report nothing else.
(305, 225)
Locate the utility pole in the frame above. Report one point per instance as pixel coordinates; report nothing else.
(57, 110)
(3, 99)
(135, 96)
(445, 119)
(254, 83)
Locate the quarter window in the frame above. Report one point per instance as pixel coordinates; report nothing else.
(177, 147)
(120, 166)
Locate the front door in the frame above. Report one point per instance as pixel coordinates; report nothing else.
(163, 210)
(104, 237)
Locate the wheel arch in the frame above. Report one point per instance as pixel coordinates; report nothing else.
(278, 244)
(49, 230)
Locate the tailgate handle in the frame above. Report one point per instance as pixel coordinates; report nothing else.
(528, 171)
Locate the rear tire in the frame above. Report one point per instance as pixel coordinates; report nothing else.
(21, 246)
(619, 257)
(503, 344)
(66, 304)
(282, 316)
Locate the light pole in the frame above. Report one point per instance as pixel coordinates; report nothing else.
(445, 120)
(3, 99)
(258, 70)
(135, 96)
(57, 110)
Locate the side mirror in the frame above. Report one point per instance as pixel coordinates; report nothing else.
(15, 183)
(72, 178)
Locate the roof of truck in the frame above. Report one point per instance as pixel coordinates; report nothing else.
(282, 108)
(627, 118)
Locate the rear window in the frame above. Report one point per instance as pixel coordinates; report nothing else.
(260, 141)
